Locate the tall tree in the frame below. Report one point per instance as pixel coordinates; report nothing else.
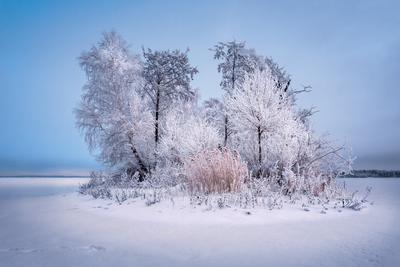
(167, 76)
(257, 108)
(113, 117)
(236, 62)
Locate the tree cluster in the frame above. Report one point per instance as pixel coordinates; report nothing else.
(140, 116)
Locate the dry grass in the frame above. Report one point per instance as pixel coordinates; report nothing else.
(215, 171)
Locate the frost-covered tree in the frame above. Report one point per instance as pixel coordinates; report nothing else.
(236, 61)
(213, 111)
(274, 140)
(258, 110)
(185, 134)
(281, 78)
(167, 76)
(114, 118)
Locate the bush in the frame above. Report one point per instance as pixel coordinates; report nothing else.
(215, 171)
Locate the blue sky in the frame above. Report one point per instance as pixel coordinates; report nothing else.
(349, 51)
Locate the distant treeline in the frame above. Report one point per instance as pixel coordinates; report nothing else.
(373, 173)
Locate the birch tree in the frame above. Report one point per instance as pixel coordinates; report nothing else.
(113, 117)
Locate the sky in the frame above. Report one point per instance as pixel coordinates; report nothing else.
(348, 51)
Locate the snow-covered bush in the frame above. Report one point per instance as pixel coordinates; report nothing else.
(186, 134)
(215, 171)
(352, 200)
(98, 186)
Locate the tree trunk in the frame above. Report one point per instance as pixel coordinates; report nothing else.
(259, 132)
(157, 115)
(233, 79)
(233, 72)
(142, 167)
(226, 131)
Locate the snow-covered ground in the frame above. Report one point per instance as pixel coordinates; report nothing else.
(43, 222)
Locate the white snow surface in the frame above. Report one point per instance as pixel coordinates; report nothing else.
(63, 228)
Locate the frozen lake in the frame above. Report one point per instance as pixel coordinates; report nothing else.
(17, 188)
(44, 222)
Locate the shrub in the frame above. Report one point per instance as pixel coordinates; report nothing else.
(215, 171)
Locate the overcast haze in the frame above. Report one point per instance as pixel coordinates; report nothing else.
(348, 52)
